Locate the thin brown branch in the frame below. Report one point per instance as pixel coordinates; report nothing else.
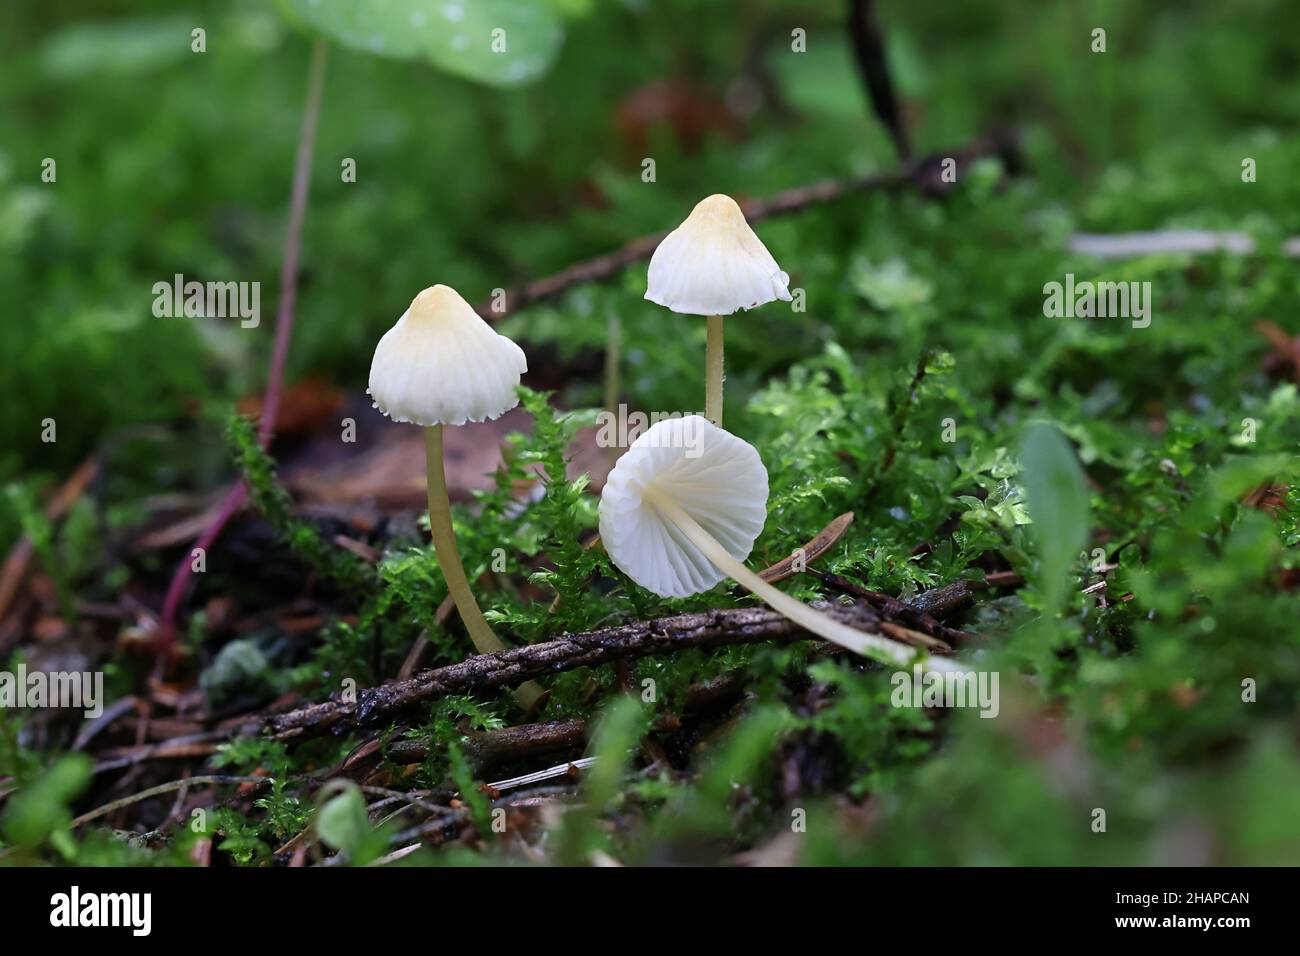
(526, 741)
(922, 173)
(893, 609)
(508, 743)
(160, 790)
(940, 601)
(510, 667)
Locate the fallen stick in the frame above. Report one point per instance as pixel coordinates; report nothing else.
(164, 788)
(911, 614)
(493, 747)
(923, 173)
(569, 651)
(498, 746)
(810, 552)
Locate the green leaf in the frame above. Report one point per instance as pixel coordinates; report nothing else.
(621, 725)
(498, 42)
(480, 808)
(1058, 505)
(741, 759)
(342, 824)
(41, 811)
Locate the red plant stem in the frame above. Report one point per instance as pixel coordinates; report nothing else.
(280, 352)
(293, 242)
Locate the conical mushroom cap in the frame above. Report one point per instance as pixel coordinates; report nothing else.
(441, 364)
(715, 477)
(714, 264)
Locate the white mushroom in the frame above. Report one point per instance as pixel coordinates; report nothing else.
(441, 364)
(681, 510)
(713, 264)
(715, 476)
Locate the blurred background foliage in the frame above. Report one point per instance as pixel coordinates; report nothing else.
(174, 162)
(170, 161)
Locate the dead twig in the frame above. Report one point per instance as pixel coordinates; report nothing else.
(159, 791)
(524, 741)
(510, 667)
(940, 601)
(497, 746)
(922, 173)
(892, 608)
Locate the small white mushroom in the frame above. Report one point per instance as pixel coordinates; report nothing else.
(681, 510)
(716, 477)
(713, 264)
(441, 364)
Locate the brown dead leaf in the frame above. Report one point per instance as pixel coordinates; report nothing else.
(1284, 359)
(305, 406)
(391, 474)
(1267, 497)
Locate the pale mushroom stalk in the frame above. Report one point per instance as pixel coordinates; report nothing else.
(453, 571)
(444, 545)
(874, 646)
(714, 265)
(441, 364)
(714, 371)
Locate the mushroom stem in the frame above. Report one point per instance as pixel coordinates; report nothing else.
(444, 545)
(874, 646)
(713, 372)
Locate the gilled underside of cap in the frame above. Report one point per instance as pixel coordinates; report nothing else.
(724, 489)
(441, 364)
(714, 264)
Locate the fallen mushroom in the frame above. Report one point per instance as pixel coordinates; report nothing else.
(712, 265)
(681, 510)
(441, 364)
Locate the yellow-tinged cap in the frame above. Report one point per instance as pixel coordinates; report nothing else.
(714, 264)
(441, 364)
